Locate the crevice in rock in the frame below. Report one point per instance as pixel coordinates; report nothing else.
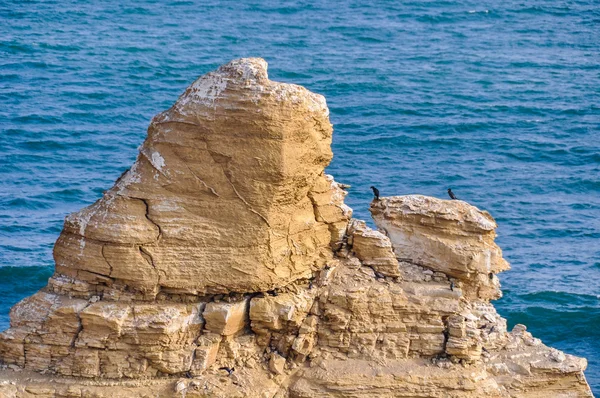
(446, 334)
(228, 178)
(87, 238)
(150, 260)
(240, 270)
(314, 205)
(147, 215)
(377, 274)
(80, 327)
(97, 273)
(289, 250)
(107, 262)
(212, 282)
(225, 173)
(211, 189)
(150, 219)
(193, 357)
(147, 256)
(25, 350)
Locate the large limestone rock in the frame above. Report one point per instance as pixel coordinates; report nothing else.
(220, 198)
(449, 236)
(224, 264)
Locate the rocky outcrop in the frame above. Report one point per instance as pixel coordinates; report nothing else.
(227, 195)
(225, 263)
(451, 237)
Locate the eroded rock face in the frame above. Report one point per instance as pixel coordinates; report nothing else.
(452, 237)
(224, 263)
(221, 198)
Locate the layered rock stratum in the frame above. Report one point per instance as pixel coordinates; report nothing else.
(225, 263)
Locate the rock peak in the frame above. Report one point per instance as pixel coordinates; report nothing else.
(246, 69)
(242, 83)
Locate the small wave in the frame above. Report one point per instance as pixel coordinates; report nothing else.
(369, 39)
(15, 47)
(560, 297)
(59, 47)
(26, 203)
(536, 10)
(36, 119)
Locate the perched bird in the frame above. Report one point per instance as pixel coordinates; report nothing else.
(452, 286)
(375, 192)
(452, 195)
(344, 186)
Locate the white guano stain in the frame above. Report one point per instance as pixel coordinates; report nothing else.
(157, 160)
(205, 91)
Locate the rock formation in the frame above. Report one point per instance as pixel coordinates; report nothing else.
(224, 263)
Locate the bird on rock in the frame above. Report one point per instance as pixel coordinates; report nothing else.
(375, 192)
(452, 195)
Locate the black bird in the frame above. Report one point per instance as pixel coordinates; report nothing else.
(452, 286)
(375, 192)
(452, 195)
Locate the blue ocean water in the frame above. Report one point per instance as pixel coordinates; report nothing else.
(499, 100)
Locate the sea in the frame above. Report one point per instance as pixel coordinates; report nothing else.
(498, 100)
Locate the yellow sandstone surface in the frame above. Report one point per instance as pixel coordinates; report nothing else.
(225, 263)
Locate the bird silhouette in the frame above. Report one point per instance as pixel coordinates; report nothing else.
(452, 195)
(375, 192)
